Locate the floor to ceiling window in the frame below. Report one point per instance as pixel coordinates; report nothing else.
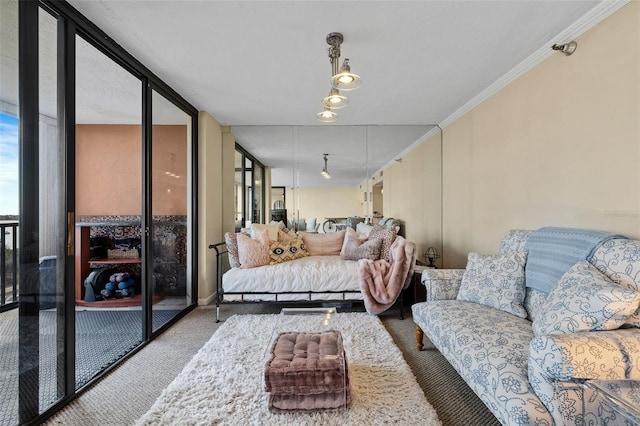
(97, 166)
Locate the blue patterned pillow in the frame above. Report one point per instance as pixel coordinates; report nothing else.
(585, 300)
(496, 281)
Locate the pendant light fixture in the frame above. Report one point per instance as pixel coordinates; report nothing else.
(335, 100)
(341, 79)
(345, 79)
(327, 116)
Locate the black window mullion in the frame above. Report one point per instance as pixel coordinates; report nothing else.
(147, 214)
(29, 277)
(67, 137)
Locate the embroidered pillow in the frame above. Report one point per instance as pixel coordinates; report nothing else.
(232, 249)
(283, 252)
(585, 300)
(496, 281)
(356, 249)
(323, 244)
(253, 252)
(387, 235)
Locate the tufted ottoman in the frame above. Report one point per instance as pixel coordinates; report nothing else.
(307, 372)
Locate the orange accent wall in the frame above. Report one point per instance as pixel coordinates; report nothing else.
(109, 170)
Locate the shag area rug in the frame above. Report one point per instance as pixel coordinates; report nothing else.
(223, 383)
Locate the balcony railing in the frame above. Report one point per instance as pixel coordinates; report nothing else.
(8, 265)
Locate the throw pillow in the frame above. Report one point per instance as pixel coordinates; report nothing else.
(231, 241)
(387, 235)
(323, 244)
(253, 252)
(585, 300)
(363, 229)
(283, 252)
(272, 228)
(496, 281)
(285, 237)
(356, 249)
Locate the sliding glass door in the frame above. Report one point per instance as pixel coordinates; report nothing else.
(108, 188)
(170, 209)
(97, 211)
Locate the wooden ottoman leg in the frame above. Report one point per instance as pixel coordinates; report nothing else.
(419, 335)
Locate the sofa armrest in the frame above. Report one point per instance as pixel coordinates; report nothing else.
(613, 354)
(442, 284)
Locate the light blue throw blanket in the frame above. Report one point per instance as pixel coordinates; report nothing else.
(552, 251)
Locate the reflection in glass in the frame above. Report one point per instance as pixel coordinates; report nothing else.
(248, 191)
(238, 193)
(108, 211)
(52, 218)
(171, 141)
(9, 163)
(258, 188)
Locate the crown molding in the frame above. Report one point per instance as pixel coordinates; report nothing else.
(579, 27)
(434, 130)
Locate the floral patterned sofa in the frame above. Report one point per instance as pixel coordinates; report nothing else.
(527, 366)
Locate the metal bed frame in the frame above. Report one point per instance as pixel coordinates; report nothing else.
(221, 250)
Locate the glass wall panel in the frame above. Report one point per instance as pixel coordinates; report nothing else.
(171, 142)
(248, 191)
(9, 163)
(258, 188)
(238, 192)
(108, 211)
(52, 221)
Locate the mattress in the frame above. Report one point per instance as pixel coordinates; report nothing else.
(315, 274)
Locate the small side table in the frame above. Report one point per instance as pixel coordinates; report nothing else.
(419, 292)
(620, 396)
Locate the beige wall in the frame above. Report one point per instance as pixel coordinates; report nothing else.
(324, 202)
(560, 146)
(210, 203)
(412, 193)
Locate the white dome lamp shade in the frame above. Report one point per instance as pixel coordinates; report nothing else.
(327, 116)
(345, 79)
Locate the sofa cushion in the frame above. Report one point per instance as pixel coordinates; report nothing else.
(253, 252)
(323, 244)
(619, 260)
(284, 252)
(490, 350)
(585, 300)
(496, 281)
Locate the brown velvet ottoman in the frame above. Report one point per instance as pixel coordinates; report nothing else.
(307, 372)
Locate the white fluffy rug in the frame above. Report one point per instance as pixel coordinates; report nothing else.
(223, 383)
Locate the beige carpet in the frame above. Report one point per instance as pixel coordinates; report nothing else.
(223, 383)
(130, 390)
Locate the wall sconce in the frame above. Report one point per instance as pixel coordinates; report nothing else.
(567, 48)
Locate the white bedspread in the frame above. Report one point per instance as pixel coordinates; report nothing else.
(312, 273)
